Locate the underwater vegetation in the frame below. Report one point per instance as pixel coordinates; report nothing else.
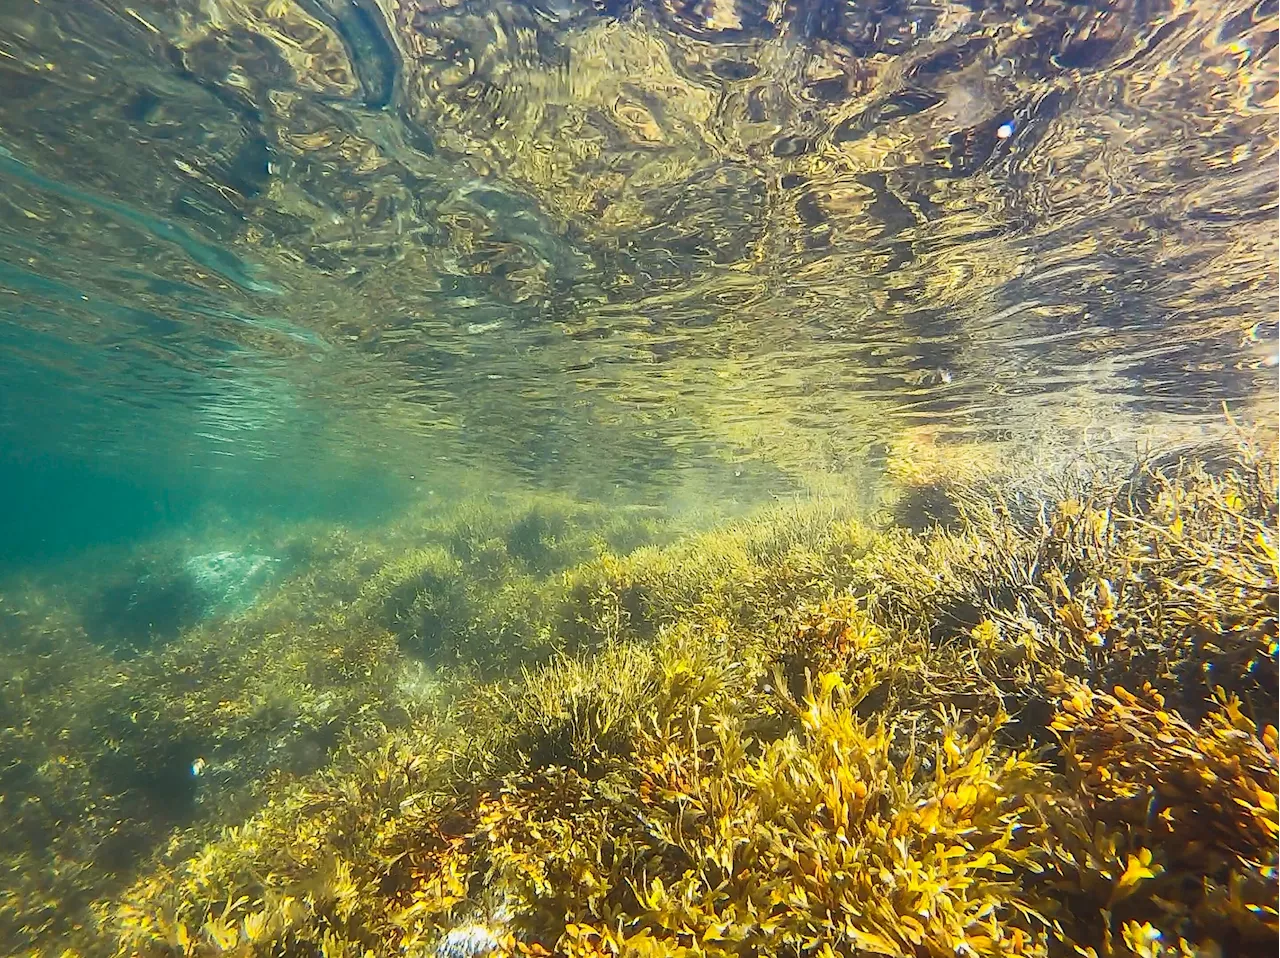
(164, 596)
(144, 698)
(523, 727)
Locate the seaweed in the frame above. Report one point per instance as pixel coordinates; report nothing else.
(478, 730)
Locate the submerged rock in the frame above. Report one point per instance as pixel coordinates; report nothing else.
(154, 604)
(228, 582)
(468, 941)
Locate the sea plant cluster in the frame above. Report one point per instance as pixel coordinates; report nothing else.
(1047, 728)
(129, 716)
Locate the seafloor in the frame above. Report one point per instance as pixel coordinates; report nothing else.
(989, 718)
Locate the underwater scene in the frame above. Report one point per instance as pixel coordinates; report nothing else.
(639, 478)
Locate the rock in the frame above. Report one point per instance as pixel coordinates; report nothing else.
(228, 582)
(156, 603)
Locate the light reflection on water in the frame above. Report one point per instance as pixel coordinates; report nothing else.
(524, 234)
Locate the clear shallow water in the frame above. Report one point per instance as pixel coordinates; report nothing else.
(682, 234)
(268, 263)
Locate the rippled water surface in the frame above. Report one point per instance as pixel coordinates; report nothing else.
(626, 238)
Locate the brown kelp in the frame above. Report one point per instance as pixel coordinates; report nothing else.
(116, 742)
(978, 741)
(497, 724)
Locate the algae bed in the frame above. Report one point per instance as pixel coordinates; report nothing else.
(518, 724)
